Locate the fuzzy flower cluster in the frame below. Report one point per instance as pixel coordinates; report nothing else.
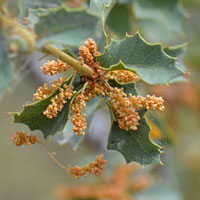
(54, 67)
(122, 76)
(45, 91)
(21, 138)
(78, 119)
(88, 53)
(148, 102)
(59, 100)
(95, 167)
(125, 113)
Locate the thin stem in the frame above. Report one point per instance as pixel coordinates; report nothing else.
(72, 80)
(84, 86)
(107, 85)
(76, 64)
(51, 154)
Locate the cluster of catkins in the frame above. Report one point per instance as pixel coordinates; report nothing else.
(125, 106)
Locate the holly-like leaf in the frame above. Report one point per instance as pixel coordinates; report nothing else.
(177, 51)
(64, 26)
(27, 4)
(102, 10)
(119, 21)
(149, 61)
(134, 145)
(32, 115)
(5, 65)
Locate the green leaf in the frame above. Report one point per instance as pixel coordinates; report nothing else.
(64, 26)
(96, 6)
(177, 51)
(119, 21)
(134, 145)
(170, 13)
(5, 65)
(67, 136)
(102, 10)
(148, 60)
(32, 115)
(27, 4)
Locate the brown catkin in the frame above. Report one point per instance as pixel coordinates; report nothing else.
(78, 119)
(148, 102)
(45, 91)
(58, 101)
(122, 76)
(21, 138)
(95, 167)
(54, 67)
(126, 115)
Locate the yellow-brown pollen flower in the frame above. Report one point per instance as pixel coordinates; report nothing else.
(122, 76)
(45, 91)
(58, 101)
(148, 102)
(21, 138)
(126, 114)
(95, 167)
(54, 67)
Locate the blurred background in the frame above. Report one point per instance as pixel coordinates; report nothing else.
(29, 173)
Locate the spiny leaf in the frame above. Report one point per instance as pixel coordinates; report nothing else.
(148, 60)
(102, 10)
(27, 4)
(134, 145)
(32, 115)
(65, 26)
(5, 65)
(119, 21)
(177, 51)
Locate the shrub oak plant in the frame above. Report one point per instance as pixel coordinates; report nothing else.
(94, 68)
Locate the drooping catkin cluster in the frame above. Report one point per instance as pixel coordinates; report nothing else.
(21, 138)
(54, 67)
(45, 91)
(95, 167)
(148, 102)
(58, 101)
(122, 76)
(78, 119)
(125, 113)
